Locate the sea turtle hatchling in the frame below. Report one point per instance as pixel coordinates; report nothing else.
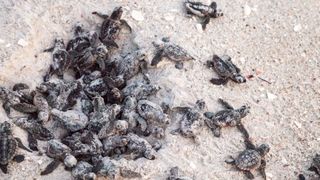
(250, 159)
(61, 59)
(191, 120)
(225, 69)
(111, 27)
(227, 117)
(174, 52)
(9, 146)
(175, 174)
(203, 11)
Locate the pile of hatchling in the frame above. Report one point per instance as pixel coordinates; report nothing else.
(104, 112)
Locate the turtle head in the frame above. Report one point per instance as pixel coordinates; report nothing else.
(239, 78)
(58, 42)
(263, 149)
(117, 13)
(78, 28)
(244, 110)
(201, 104)
(101, 50)
(98, 102)
(5, 128)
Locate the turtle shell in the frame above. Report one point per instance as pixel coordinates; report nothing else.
(248, 160)
(8, 146)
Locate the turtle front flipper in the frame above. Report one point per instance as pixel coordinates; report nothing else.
(249, 144)
(110, 43)
(157, 58)
(205, 21)
(4, 168)
(179, 65)
(125, 23)
(19, 158)
(230, 160)
(248, 174)
(220, 81)
(6, 107)
(243, 130)
(33, 143)
(314, 169)
(262, 169)
(50, 168)
(25, 107)
(20, 145)
(103, 16)
(225, 104)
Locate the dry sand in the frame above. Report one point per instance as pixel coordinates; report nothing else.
(280, 39)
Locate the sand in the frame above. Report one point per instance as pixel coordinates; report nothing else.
(280, 40)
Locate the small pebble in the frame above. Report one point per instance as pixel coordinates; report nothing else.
(22, 42)
(247, 10)
(271, 96)
(169, 17)
(297, 28)
(137, 15)
(199, 28)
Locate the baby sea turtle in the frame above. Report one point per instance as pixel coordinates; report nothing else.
(315, 166)
(155, 117)
(60, 153)
(140, 90)
(36, 131)
(139, 147)
(228, 117)
(72, 120)
(111, 27)
(250, 159)
(105, 167)
(191, 120)
(131, 65)
(226, 70)
(203, 11)
(9, 146)
(174, 52)
(60, 57)
(42, 107)
(113, 144)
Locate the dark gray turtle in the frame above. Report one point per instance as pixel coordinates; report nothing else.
(140, 90)
(174, 52)
(72, 120)
(113, 144)
(82, 40)
(203, 11)
(9, 146)
(136, 123)
(42, 107)
(105, 167)
(315, 166)
(250, 159)
(228, 117)
(97, 87)
(92, 57)
(84, 144)
(139, 147)
(24, 92)
(225, 68)
(176, 175)
(102, 115)
(12, 99)
(131, 65)
(83, 171)
(191, 120)
(111, 27)
(60, 153)
(36, 131)
(60, 57)
(156, 119)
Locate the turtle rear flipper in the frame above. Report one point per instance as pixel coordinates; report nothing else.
(125, 23)
(220, 81)
(248, 174)
(262, 169)
(6, 107)
(50, 168)
(18, 158)
(20, 145)
(4, 168)
(157, 58)
(33, 143)
(205, 21)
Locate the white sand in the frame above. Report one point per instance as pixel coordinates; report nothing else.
(279, 38)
